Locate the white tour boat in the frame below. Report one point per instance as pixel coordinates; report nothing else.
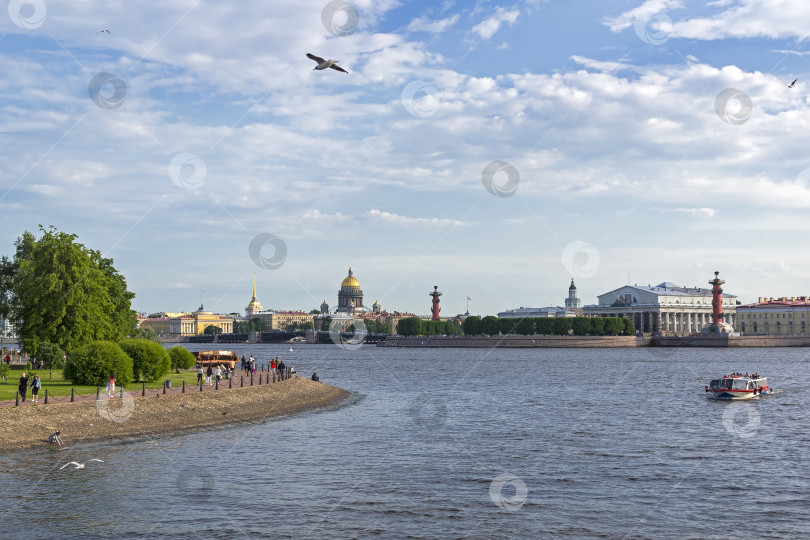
(738, 386)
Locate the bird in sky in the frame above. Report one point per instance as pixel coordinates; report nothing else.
(78, 465)
(793, 84)
(100, 31)
(323, 64)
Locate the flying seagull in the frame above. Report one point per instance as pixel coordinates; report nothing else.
(100, 31)
(323, 64)
(78, 465)
(793, 84)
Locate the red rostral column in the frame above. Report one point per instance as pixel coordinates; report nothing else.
(717, 305)
(436, 294)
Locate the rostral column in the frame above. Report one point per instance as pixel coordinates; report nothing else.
(436, 294)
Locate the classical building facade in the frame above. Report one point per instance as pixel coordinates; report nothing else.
(663, 308)
(187, 324)
(254, 306)
(787, 315)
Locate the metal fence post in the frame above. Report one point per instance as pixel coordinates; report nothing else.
(184, 387)
(201, 385)
(241, 381)
(46, 396)
(216, 385)
(164, 387)
(17, 404)
(121, 392)
(230, 382)
(72, 395)
(251, 378)
(98, 392)
(143, 389)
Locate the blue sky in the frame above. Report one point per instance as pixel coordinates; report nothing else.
(621, 156)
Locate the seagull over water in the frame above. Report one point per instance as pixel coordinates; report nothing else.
(100, 31)
(323, 64)
(793, 84)
(78, 465)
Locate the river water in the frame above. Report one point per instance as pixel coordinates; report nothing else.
(455, 443)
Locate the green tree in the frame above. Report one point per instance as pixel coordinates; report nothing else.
(326, 322)
(93, 363)
(409, 326)
(490, 325)
(629, 327)
(212, 329)
(452, 327)
(146, 332)
(581, 326)
(544, 326)
(597, 326)
(150, 361)
(472, 325)
(66, 293)
(507, 326)
(561, 326)
(51, 355)
(613, 326)
(525, 327)
(5, 369)
(307, 325)
(181, 358)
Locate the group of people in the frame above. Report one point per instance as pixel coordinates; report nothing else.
(35, 384)
(738, 375)
(211, 373)
(276, 365)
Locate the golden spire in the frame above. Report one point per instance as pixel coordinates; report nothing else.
(254, 285)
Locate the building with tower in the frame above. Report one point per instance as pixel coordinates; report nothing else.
(571, 308)
(572, 301)
(254, 307)
(350, 295)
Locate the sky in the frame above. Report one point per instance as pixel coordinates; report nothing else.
(497, 150)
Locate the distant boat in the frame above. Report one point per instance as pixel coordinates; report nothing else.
(738, 387)
(291, 349)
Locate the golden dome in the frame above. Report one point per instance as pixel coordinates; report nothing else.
(350, 281)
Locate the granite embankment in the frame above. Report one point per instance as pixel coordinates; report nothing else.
(516, 341)
(27, 428)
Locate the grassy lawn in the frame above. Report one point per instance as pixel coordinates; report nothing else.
(57, 386)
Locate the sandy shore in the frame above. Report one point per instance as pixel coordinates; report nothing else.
(27, 428)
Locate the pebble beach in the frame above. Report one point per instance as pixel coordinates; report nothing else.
(26, 429)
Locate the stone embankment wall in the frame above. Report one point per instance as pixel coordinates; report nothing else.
(516, 341)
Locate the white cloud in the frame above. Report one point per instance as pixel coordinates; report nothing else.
(425, 24)
(490, 26)
(644, 11)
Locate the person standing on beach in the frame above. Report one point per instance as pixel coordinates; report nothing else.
(23, 388)
(208, 373)
(36, 384)
(273, 366)
(244, 363)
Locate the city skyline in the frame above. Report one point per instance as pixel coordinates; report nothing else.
(495, 150)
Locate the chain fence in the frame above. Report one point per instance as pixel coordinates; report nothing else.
(229, 382)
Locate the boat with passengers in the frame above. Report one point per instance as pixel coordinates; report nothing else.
(738, 386)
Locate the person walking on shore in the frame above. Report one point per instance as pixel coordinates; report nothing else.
(23, 388)
(199, 374)
(111, 386)
(36, 384)
(273, 366)
(244, 363)
(280, 367)
(218, 374)
(208, 373)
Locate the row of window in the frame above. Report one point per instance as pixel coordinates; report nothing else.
(766, 315)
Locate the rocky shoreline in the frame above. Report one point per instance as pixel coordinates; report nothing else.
(25, 429)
